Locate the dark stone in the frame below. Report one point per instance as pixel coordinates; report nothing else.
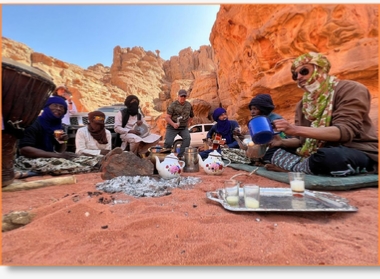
(125, 164)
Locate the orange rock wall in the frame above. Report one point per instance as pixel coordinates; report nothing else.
(252, 48)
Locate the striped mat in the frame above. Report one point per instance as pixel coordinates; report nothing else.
(316, 182)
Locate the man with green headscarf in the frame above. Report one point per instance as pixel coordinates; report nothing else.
(333, 133)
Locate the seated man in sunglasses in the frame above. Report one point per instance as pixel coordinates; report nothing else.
(333, 133)
(94, 139)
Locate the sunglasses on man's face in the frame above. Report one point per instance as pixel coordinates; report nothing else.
(302, 72)
(98, 118)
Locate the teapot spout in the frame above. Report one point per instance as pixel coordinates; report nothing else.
(157, 163)
(200, 160)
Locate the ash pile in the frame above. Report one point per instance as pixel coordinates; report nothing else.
(145, 186)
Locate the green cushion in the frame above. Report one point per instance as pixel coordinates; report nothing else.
(316, 182)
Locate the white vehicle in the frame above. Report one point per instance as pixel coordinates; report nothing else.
(198, 132)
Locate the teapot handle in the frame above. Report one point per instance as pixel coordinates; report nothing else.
(183, 163)
(229, 162)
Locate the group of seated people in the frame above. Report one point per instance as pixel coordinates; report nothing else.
(43, 149)
(332, 133)
(229, 130)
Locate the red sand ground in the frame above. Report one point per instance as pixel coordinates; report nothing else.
(73, 228)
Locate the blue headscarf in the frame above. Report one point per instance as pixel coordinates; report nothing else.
(50, 122)
(223, 127)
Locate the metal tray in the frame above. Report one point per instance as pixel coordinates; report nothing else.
(282, 199)
(143, 129)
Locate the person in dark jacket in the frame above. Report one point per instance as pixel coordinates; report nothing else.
(39, 140)
(262, 104)
(225, 129)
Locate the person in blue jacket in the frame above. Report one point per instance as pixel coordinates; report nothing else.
(225, 128)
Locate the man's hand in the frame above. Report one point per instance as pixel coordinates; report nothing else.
(276, 142)
(62, 138)
(175, 125)
(104, 151)
(282, 125)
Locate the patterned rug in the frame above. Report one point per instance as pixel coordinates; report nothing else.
(26, 167)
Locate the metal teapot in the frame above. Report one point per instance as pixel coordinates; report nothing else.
(252, 150)
(213, 164)
(170, 167)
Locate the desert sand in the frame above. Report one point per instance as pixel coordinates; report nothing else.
(77, 225)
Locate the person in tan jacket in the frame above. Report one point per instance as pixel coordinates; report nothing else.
(333, 133)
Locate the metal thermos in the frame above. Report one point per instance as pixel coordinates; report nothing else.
(191, 159)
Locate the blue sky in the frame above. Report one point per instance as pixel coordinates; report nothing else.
(86, 34)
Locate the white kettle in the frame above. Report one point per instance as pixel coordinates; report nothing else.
(213, 164)
(170, 167)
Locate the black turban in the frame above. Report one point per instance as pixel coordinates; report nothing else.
(129, 99)
(262, 102)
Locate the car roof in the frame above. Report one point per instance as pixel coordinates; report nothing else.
(111, 108)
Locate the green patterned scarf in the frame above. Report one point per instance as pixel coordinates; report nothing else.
(317, 103)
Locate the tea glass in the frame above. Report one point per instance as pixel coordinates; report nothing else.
(251, 196)
(297, 183)
(58, 134)
(231, 188)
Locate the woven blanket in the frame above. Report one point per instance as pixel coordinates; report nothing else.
(316, 182)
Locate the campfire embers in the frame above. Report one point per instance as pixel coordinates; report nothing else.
(145, 186)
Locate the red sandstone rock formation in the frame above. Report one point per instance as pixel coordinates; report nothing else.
(254, 46)
(252, 50)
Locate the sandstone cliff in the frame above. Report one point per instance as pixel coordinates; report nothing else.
(252, 48)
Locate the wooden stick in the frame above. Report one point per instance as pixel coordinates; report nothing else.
(252, 172)
(17, 186)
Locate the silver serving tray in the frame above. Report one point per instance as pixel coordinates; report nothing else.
(282, 199)
(143, 129)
